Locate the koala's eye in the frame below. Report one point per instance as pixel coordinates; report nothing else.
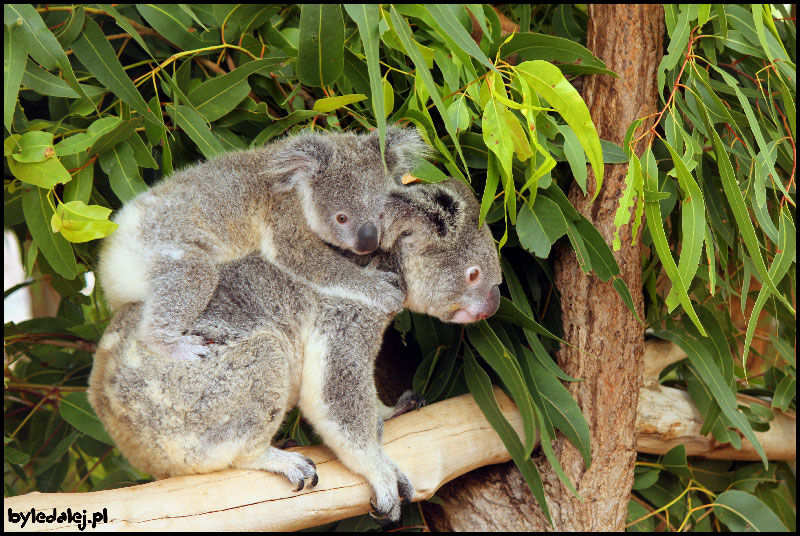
(473, 273)
(341, 218)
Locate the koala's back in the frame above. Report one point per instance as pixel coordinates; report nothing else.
(172, 417)
(216, 208)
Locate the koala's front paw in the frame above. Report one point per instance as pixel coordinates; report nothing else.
(386, 292)
(185, 347)
(408, 401)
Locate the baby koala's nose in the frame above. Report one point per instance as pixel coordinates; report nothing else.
(367, 238)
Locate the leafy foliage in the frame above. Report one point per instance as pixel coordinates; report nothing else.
(101, 102)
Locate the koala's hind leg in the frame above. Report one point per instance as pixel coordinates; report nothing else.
(182, 283)
(293, 465)
(338, 399)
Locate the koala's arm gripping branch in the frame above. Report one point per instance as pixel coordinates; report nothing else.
(432, 446)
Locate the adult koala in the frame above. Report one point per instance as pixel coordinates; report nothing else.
(280, 343)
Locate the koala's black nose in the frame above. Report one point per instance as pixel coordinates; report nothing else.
(367, 238)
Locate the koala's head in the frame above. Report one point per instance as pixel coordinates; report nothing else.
(450, 265)
(342, 183)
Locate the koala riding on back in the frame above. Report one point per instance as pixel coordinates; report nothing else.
(287, 200)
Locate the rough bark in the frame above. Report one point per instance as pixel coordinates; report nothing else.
(630, 40)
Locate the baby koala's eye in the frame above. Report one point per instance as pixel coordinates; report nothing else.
(473, 273)
(341, 217)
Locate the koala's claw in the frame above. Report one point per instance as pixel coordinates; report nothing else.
(408, 401)
(300, 470)
(382, 518)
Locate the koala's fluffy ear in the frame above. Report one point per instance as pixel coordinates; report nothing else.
(402, 144)
(299, 158)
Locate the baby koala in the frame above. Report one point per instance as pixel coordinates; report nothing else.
(172, 239)
(280, 343)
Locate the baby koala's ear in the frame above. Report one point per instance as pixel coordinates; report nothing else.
(402, 146)
(297, 159)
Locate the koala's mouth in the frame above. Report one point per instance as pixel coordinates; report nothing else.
(463, 316)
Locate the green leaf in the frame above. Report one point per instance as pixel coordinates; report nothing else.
(742, 511)
(742, 217)
(123, 172)
(43, 174)
(96, 53)
(561, 408)
(539, 227)
(536, 46)
(388, 97)
(481, 388)
(60, 449)
(143, 154)
(783, 260)
(73, 26)
(330, 104)
(656, 227)
(600, 257)
(626, 202)
(40, 81)
(712, 377)
(80, 187)
(575, 156)
(367, 18)
(83, 140)
(126, 26)
(35, 146)
(38, 213)
(170, 21)
(509, 312)
(14, 58)
(489, 190)
(79, 222)
(676, 463)
(75, 409)
(693, 224)
(281, 125)
(196, 128)
(216, 97)
(496, 135)
(444, 18)
(40, 42)
(404, 34)
(548, 81)
(320, 58)
(497, 356)
(427, 172)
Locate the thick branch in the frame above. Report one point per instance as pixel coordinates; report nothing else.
(433, 446)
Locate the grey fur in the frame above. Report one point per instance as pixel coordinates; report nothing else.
(279, 342)
(172, 239)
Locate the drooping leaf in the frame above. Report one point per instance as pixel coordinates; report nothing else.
(14, 58)
(320, 58)
(38, 213)
(96, 53)
(75, 409)
(481, 388)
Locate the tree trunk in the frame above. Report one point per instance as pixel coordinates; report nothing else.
(630, 40)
